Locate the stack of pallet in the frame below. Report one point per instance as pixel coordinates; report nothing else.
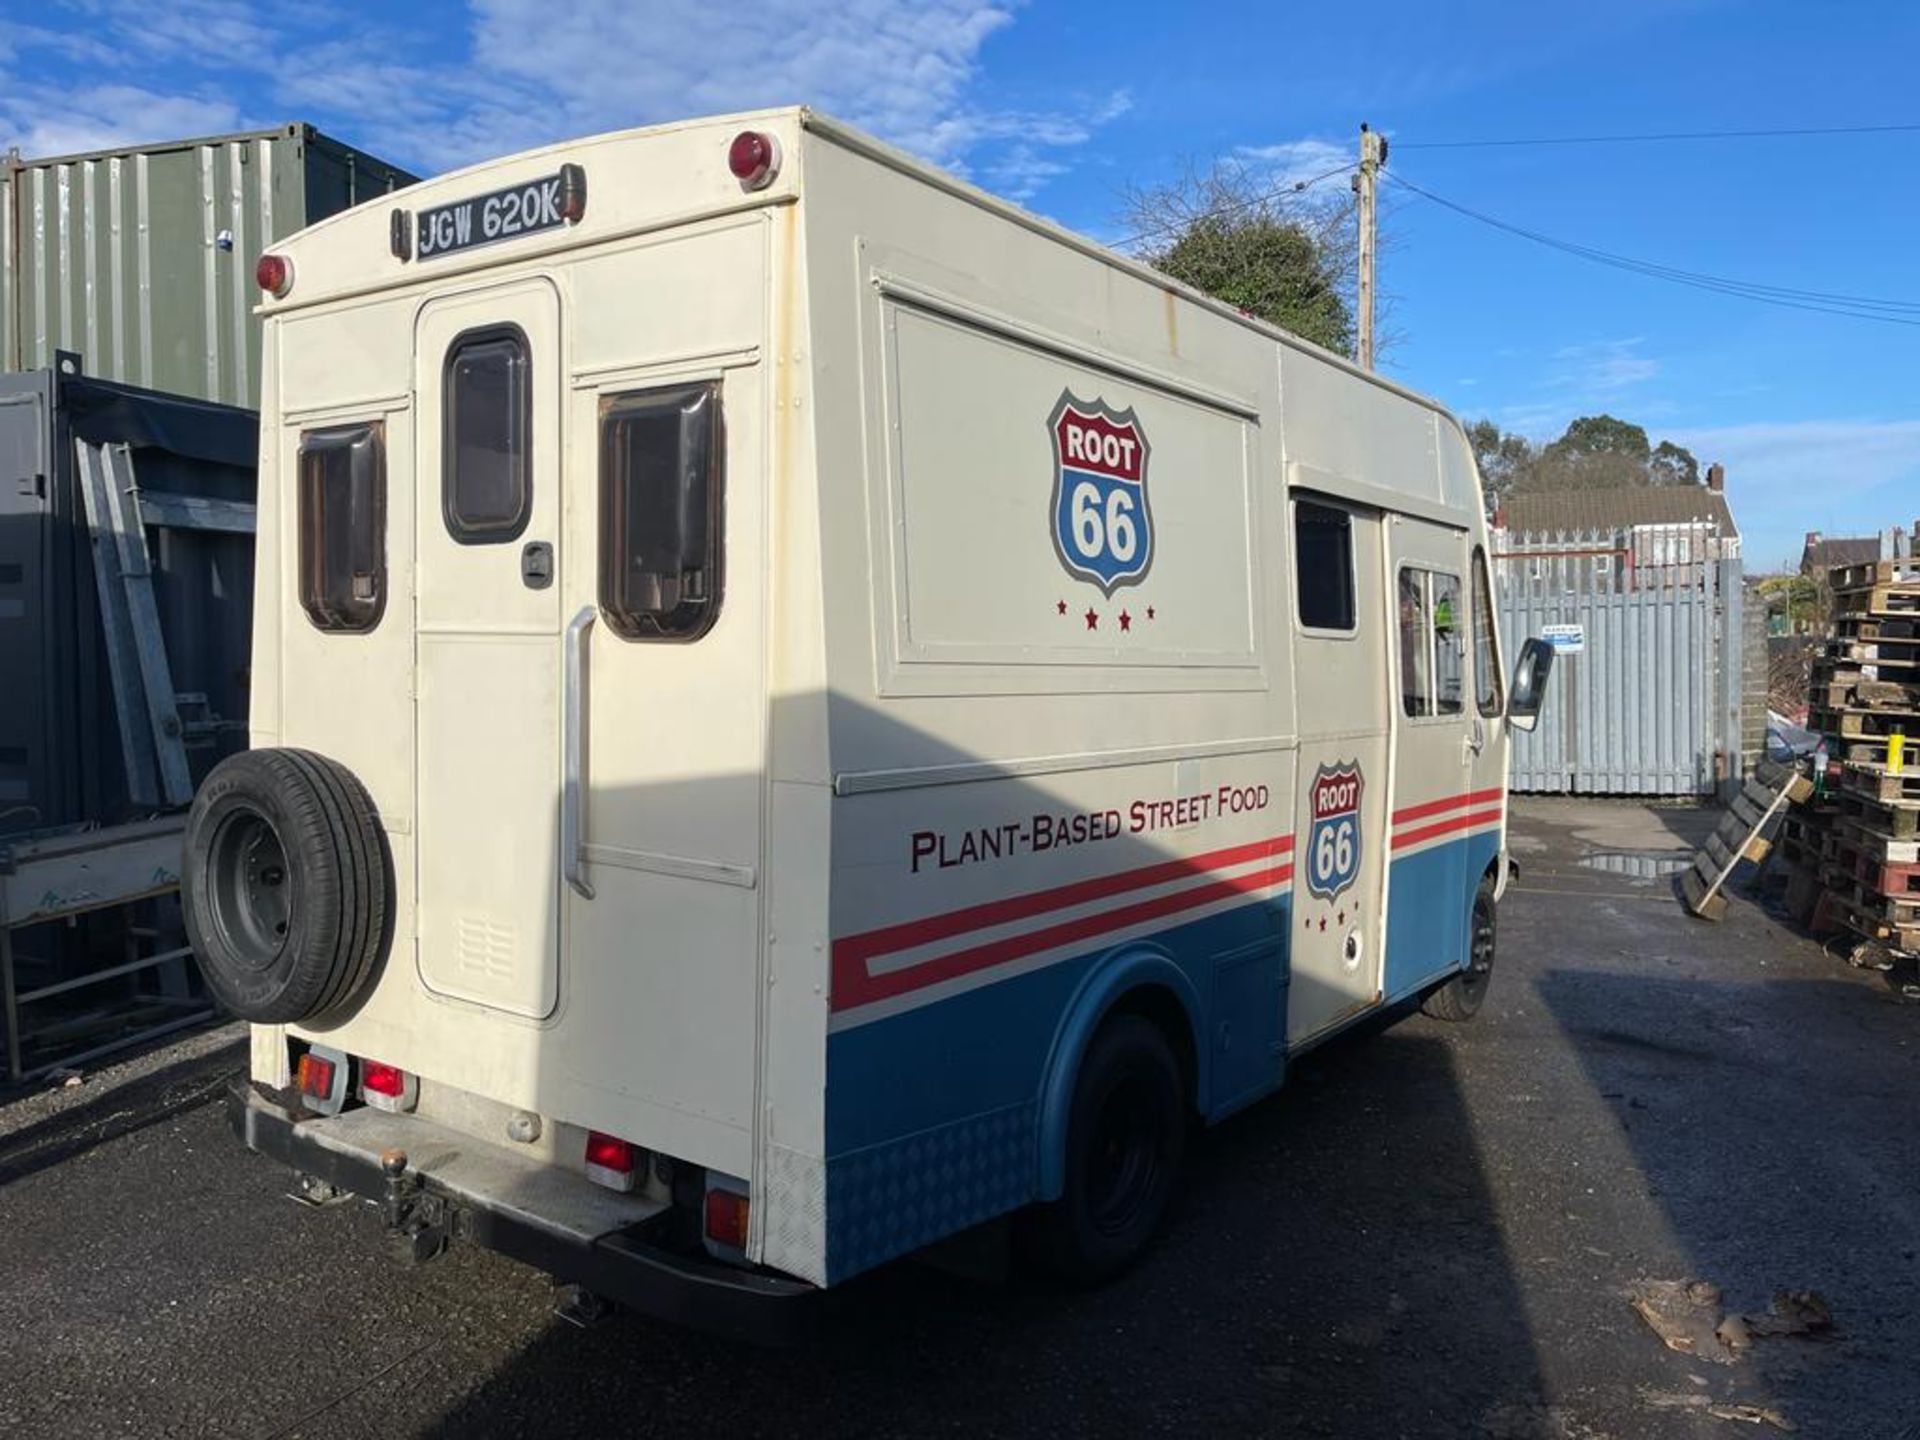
(1861, 837)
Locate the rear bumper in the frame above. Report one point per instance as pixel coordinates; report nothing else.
(626, 1264)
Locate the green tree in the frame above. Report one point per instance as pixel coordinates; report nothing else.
(1267, 267)
(1672, 464)
(1506, 460)
(1275, 253)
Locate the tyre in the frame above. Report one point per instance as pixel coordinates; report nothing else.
(286, 883)
(1459, 998)
(1126, 1138)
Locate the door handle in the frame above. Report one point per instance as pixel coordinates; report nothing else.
(1477, 737)
(573, 721)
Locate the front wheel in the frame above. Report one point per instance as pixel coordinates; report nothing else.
(1460, 997)
(1126, 1139)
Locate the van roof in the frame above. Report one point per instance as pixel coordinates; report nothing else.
(460, 182)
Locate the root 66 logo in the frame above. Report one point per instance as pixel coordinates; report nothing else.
(1102, 527)
(1333, 838)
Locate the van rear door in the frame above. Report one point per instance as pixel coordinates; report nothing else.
(488, 621)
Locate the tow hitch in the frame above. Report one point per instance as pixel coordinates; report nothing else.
(422, 1224)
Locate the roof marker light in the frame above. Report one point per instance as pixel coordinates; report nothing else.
(754, 159)
(274, 274)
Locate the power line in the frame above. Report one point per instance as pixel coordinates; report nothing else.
(1660, 136)
(1859, 307)
(1292, 187)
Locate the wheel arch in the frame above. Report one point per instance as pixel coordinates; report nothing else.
(1141, 980)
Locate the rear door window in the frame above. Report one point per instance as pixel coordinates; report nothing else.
(662, 469)
(343, 526)
(486, 490)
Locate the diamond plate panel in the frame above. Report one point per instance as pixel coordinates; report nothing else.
(889, 1199)
(796, 1214)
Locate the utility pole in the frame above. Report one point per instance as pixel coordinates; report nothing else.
(1373, 155)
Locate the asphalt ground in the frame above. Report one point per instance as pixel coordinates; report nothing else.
(1429, 1232)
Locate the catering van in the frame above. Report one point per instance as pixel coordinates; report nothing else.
(799, 708)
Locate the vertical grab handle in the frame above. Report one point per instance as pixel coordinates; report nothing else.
(573, 859)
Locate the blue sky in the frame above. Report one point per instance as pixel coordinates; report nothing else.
(1062, 103)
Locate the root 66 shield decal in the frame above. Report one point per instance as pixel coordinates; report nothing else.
(1333, 837)
(1102, 527)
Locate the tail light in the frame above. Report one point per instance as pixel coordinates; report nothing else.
(320, 1075)
(754, 159)
(611, 1162)
(388, 1087)
(273, 274)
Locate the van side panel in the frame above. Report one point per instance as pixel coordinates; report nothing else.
(1055, 761)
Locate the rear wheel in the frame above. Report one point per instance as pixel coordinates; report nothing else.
(1126, 1139)
(1460, 997)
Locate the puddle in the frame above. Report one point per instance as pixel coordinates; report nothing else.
(1639, 864)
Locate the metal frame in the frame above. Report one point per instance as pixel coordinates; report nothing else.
(72, 874)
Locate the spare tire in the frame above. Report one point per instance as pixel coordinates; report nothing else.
(287, 886)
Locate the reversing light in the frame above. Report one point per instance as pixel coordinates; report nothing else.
(754, 159)
(274, 274)
(610, 1161)
(387, 1087)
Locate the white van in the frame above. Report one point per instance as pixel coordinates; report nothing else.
(799, 708)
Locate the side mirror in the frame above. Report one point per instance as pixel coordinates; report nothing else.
(1529, 689)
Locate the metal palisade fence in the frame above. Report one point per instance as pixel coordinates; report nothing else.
(1647, 681)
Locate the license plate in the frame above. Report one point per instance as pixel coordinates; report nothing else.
(523, 209)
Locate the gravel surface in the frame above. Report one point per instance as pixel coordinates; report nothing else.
(1429, 1232)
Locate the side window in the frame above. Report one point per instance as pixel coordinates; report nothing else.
(1416, 685)
(662, 466)
(1486, 659)
(342, 485)
(1323, 561)
(486, 479)
(1449, 645)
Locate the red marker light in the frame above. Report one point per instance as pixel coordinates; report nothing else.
(383, 1079)
(754, 159)
(726, 1219)
(609, 1153)
(274, 274)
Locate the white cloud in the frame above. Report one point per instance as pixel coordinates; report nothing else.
(45, 120)
(527, 72)
(1603, 368)
(1789, 476)
(1293, 162)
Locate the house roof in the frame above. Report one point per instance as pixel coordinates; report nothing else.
(1619, 508)
(1822, 555)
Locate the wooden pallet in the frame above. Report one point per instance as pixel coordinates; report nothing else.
(1873, 927)
(1742, 835)
(1894, 659)
(1876, 629)
(1887, 600)
(1898, 820)
(1853, 720)
(1880, 847)
(1877, 783)
(1848, 689)
(1870, 573)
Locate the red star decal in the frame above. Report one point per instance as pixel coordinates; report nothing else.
(1341, 918)
(1060, 607)
(1323, 922)
(1126, 621)
(1149, 612)
(1093, 618)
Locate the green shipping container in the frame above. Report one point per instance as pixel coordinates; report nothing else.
(141, 259)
